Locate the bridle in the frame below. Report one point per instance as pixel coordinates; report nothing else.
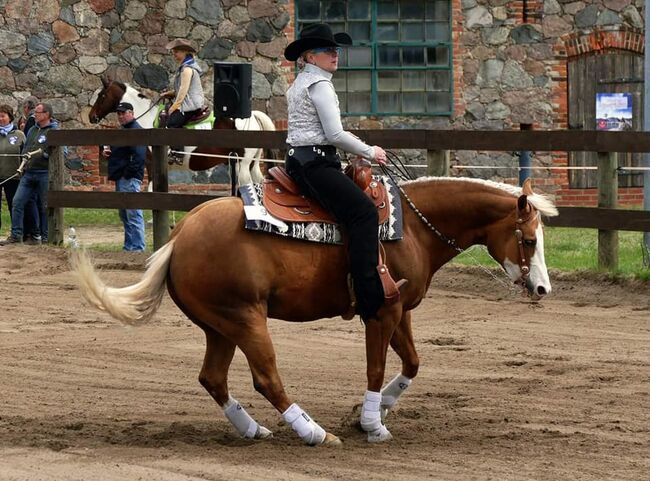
(524, 259)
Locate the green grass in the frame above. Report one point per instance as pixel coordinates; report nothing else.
(566, 249)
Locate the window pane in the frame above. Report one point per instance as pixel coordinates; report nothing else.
(358, 102)
(387, 10)
(359, 57)
(359, 10)
(438, 102)
(413, 56)
(438, 56)
(308, 10)
(438, 31)
(359, 31)
(413, 80)
(359, 81)
(389, 102)
(438, 80)
(389, 56)
(412, 31)
(438, 10)
(387, 31)
(388, 80)
(412, 9)
(339, 81)
(337, 26)
(334, 10)
(414, 102)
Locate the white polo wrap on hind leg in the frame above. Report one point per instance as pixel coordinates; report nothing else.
(391, 393)
(243, 422)
(308, 430)
(371, 418)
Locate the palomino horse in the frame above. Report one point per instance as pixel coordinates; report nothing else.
(146, 112)
(259, 275)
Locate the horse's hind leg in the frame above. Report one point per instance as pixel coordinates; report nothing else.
(255, 342)
(214, 378)
(403, 344)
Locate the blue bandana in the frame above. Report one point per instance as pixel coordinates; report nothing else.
(6, 129)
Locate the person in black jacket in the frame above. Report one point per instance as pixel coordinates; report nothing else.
(126, 168)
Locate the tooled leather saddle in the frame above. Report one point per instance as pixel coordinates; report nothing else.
(282, 198)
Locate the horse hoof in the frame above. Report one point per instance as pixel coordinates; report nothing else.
(263, 433)
(331, 440)
(380, 435)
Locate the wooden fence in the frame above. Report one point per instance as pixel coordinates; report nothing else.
(606, 218)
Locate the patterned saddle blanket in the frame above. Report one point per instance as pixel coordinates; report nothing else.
(276, 208)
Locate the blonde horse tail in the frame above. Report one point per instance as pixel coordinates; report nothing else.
(133, 305)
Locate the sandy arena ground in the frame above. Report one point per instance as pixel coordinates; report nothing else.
(507, 390)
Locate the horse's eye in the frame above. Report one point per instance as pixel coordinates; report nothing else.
(530, 242)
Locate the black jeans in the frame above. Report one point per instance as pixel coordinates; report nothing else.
(323, 180)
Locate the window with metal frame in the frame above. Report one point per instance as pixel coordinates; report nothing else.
(401, 60)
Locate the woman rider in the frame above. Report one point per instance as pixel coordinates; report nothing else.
(314, 134)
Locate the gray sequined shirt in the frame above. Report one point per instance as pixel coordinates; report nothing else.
(314, 115)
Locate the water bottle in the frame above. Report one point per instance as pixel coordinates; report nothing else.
(72, 238)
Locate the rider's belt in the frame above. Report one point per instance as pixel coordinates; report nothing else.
(309, 153)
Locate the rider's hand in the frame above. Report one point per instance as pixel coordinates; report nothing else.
(380, 155)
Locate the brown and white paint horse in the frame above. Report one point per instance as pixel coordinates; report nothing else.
(105, 101)
(258, 275)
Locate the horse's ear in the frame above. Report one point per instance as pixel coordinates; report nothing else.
(522, 203)
(527, 187)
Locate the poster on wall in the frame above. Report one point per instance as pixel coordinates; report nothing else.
(614, 111)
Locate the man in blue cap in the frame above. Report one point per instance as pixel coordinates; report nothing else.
(126, 168)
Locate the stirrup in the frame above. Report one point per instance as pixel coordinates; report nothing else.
(391, 288)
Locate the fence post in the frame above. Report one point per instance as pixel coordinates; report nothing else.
(438, 163)
(160, 184)
(607, 198)
(56, 181)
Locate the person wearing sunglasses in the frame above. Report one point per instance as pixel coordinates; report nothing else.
(314, 133)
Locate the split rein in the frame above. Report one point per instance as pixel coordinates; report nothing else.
(398, 169)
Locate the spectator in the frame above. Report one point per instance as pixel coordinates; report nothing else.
(126, 168)
(35, 176)
(31, 222)
(11, 141)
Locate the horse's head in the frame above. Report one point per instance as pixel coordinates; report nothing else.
(105, 100)
(518, 243)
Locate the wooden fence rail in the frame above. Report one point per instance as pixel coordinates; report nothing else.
(607, 219)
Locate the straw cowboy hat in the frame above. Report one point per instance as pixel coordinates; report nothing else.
(314, 36)
(181, 44)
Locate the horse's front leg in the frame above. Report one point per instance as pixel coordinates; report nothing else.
(403, 344)
(378, 335)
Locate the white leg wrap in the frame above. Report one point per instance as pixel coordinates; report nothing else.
(244, 424)
(371, 418)
(391, 393)
(308, 430)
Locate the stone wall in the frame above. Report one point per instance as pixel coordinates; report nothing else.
(58, 51)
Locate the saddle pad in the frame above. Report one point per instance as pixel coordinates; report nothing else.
(258, 218)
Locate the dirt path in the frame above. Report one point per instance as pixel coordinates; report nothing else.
(506, 390)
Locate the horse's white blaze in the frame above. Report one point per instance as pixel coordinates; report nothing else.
(538, 282)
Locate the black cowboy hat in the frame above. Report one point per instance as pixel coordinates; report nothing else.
(314, 36)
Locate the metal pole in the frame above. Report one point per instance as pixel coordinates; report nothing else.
(646, 127)
(524, 158)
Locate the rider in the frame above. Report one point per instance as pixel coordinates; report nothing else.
(314, 133)
(188, 96)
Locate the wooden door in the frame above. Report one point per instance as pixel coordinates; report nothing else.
(610, 72)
